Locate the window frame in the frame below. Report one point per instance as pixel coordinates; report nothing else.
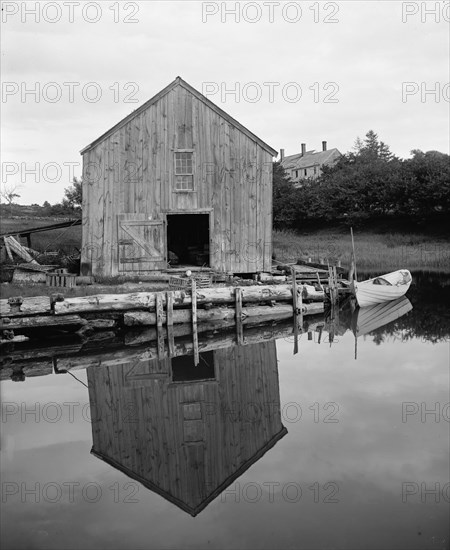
(192, 174)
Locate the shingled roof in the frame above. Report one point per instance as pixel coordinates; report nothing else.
(309, 159)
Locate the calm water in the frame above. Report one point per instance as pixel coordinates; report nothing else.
(268, 450)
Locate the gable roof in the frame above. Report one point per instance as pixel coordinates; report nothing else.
(309, 159)
(180, 82)
(193, 511)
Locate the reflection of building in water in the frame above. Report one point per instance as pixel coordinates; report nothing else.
(187, 432)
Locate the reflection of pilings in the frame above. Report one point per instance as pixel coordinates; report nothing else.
(183, 346)
(136, 345)
(112, 353)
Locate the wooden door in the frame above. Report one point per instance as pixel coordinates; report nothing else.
(141, 243)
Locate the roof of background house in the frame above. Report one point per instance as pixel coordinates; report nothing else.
(310, 158)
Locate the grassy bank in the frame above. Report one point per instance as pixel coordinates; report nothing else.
(374, 250)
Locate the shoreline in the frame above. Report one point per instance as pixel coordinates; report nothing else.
(374, 251)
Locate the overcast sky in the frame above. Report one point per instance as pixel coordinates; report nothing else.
(302, 72)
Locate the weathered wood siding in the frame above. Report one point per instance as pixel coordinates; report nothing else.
(131, 172)
(186, 440)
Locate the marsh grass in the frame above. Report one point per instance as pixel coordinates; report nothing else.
(384, 251)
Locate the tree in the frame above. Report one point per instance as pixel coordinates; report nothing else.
(9, 193)
(284, 201)
(73, 195)
(374, 148)
(426, 190)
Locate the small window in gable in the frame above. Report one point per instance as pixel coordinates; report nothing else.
(184, 171)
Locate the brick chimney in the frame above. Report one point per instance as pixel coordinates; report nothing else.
(281, 155)
(324, 145)
(303, 149)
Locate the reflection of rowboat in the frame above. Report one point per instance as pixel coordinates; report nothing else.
(382, 289)
(368, 319)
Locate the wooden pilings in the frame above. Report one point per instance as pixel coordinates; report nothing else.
(169, 322)
(248, 305)
(181, 298)
(238, 308)
(194, 322)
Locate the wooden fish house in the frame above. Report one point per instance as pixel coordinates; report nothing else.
(177, 183)
(187, 432)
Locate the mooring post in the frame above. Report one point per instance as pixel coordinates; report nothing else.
(159, 324)
(169, 323)
(332, 284)
(238, 307)
(295, 308)
(15, 302)
(194, 321)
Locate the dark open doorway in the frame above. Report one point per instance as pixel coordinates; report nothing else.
(188, 239)
(184, 369)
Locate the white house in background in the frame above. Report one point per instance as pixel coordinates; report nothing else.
(308, 164)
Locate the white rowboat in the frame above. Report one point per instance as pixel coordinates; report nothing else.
(382, 289)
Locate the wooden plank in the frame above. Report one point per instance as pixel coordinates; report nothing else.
(194, 322)
(235, 201)
(107, 206)
(238, 307)
(39, 321)
(267, 201)
(8, 250)
(19, 250)
(169, 302)
(115, 201)
(30, 305)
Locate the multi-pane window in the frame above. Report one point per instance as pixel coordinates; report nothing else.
(184, 171)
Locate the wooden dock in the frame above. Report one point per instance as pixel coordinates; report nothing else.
(199, 308)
